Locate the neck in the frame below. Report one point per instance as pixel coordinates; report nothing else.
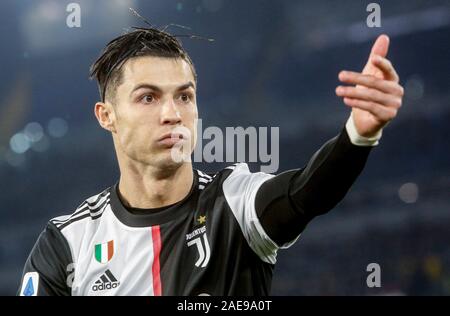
(143, 186)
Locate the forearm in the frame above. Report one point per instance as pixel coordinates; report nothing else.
(287, 202)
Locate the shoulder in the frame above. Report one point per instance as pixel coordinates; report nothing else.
(239, 179)
(238, 169)
(208, 180)
(240, 187)
(90, 209)
(234, 182)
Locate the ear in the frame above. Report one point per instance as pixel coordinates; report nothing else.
(105, 115)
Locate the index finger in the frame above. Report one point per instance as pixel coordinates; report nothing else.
(386, 67)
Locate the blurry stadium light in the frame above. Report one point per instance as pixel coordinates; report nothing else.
(14, 107)
(57, 127)
(429, 19)
(44, 30)
(19, 143)
(408, 23)
(409, 192)
(33, 132)
(414, 87)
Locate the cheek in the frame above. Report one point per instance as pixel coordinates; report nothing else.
(136, 132)
(190, 121)
(190, 114)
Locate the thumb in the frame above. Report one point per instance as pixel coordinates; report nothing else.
(381, 46)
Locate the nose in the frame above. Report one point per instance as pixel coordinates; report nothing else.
(170, 114)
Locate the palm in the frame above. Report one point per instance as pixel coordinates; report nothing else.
(366, 123)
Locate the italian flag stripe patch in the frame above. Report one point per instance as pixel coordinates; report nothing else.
(104, 251)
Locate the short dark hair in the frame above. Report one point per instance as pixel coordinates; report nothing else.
(107, 69)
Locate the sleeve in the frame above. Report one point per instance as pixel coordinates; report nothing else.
(48, 267)
(240, 188)
(285, 204)
(359, 140)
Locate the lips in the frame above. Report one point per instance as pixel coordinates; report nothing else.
(171, 138)
(172, 135)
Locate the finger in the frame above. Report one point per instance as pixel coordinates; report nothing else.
(386, 67)
(370, 95)
(357, 78)
(382, 113)
(381, 46)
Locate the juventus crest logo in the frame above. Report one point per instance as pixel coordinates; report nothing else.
(204, 252)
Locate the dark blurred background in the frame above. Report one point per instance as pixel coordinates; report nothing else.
(273, 63)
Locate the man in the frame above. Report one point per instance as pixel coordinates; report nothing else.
(167, 229)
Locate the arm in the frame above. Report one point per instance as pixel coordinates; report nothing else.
(285, 204)
(273, 210)
(48, 265)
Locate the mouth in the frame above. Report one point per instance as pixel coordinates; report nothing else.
(170, 139)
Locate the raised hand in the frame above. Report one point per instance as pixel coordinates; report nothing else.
(376, 95)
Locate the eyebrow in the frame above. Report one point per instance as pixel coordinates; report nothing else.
(159, 90)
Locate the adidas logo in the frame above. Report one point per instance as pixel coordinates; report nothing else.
(107, 281)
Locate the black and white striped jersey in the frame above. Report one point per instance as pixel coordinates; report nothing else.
(221, 239)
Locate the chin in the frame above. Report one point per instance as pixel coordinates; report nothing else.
(167, 162)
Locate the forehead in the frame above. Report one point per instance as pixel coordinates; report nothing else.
(160, 71)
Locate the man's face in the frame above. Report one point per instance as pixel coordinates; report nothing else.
(156, 96)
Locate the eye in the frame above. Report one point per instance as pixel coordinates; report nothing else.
(185, 97)
(148, 98)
